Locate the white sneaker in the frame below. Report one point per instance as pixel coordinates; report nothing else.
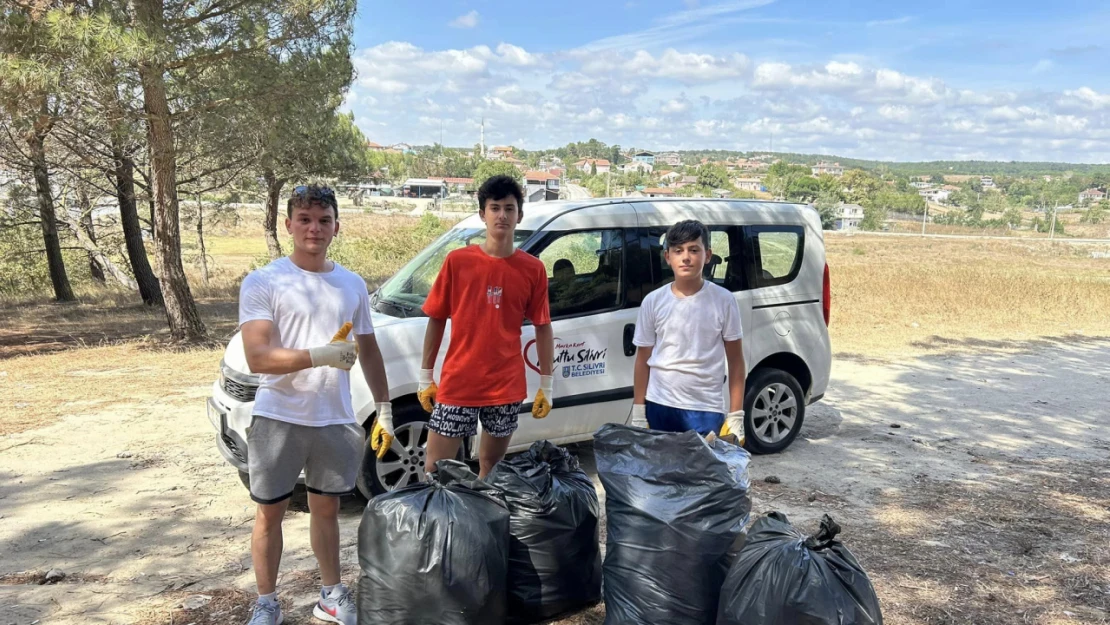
(337, 607)
(266, 613)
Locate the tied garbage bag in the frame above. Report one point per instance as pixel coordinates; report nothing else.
(675, 504)
(435, 552)
(782, 577)
(554, 552)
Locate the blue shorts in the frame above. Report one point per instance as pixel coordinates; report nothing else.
(667, 419)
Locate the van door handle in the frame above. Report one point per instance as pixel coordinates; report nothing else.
(629, 332)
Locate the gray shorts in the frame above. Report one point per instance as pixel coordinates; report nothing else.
(277, 451)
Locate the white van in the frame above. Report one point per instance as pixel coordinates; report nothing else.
(771, 255)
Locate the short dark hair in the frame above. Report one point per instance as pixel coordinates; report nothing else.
(500, 187)
(686, 232)
(307, 195)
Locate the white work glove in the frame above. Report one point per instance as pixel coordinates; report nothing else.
(734, 424)
(381, 437)
(639, 416)
(541, 407)
(339, 353)
(426, 390)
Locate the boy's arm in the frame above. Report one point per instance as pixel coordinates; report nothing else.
(545, 348)
(373, 367)
(262, 357)
(737, 373)
(433, 338)
(641, 374)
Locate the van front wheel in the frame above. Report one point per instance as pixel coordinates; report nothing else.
(774, 408)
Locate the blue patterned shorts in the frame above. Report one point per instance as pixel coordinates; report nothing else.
(461, 422)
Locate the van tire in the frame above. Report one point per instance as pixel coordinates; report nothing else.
(409, 418)
(773, 400)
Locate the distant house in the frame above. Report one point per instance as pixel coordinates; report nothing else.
(458, 185)
(659, 192)
(424, 188)
(848, 216)
(987, 182)
(722, 193)
(668, 158)
(375, 147)
(541, 186)
(500, 152)
(748, 184)
(670, 177)
(686, 181)
(644, 157)
(403, 148)
(832, 169)
(586, 165)
(516, 162)
(934, 194)
(643, 167)
(1091, 195)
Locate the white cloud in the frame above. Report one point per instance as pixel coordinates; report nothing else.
(678, 98)
(467, 20)
(676, 106)
(1042, 66)
(905, 19)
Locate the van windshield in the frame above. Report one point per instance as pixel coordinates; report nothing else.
(403, 295)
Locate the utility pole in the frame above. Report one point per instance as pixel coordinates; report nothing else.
(925, 218)
(1052, 232)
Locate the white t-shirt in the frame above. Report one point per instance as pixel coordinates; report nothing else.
(688, 335)
(307, 309)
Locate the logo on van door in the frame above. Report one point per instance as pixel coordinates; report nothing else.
(573, 358)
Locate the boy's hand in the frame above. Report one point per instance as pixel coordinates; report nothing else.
(426, 390)
(541, 407)
(639, 416)
(339, 353)
(734, 425)
(381, 437)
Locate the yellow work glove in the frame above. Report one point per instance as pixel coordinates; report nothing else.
(339, 353)
(541, 407)
(639, 416)
(734, 425)
(381, 437)
(426, 390)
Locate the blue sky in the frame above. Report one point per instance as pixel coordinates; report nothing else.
(898, 81)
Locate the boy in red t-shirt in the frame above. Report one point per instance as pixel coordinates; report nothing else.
(487, 291)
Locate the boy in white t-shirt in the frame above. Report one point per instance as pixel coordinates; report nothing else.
(686, 333)
(289, 311)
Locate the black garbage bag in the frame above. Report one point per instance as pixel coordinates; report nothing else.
(675, 504)
(782, 577)
(435, 552)
(554, 551)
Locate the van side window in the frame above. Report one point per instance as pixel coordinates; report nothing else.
(724, 268)
(776, 254)
(585, 271)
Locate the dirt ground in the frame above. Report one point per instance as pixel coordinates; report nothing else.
(973, 486)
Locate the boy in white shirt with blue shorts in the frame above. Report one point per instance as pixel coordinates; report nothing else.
(687, 333)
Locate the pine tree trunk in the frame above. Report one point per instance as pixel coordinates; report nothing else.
(149, 289)
(63, 292)
(200, 240)
(181, 309)
(273, 201)
(89, 231)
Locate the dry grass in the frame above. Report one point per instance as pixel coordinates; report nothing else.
(901, 295)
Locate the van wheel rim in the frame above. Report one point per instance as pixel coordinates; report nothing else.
(403, 464)
(774, 412)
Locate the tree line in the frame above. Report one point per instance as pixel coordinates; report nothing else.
(158, 104)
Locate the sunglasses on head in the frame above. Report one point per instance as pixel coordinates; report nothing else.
(313, 194)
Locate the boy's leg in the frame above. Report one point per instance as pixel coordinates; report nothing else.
(498, 425)
(448, 426)
(323, 528)
(266, 545)
(330, 472)
(277, 454)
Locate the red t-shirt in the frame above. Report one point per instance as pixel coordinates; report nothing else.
(487, 300)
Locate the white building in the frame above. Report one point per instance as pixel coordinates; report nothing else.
(640, 166)
(668, 158)
(832, 169)
(748, 184)
(848, 216)
(1091, 195)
